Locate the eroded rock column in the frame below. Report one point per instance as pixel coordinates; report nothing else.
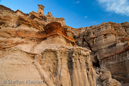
(69, 66)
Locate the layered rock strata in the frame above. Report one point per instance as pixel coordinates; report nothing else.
(108, 43)
(34, 52)
(33, 19)
(46, 50)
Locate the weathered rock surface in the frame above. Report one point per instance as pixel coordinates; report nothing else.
(56, 65)
(107, 79)
(50, 18)
(42, 49)
(41, 10)
(34, 52)
(109, 47)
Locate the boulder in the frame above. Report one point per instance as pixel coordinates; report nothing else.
(107, 79)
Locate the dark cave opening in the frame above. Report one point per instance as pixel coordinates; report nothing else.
(96, 62)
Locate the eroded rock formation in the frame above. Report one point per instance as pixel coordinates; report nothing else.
(108, 43)
(107, 79)
(41, 10)
(56, 65)
(37, 53)
(42, 48)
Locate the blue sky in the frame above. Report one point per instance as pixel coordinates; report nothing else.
(77, 13)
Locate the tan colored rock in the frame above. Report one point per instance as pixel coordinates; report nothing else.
(50, 18)
(55, 66)
(49, 14)
(67, 71)
(53, 33)
(109, 46)
(41, 10)
(20, 13)
(29, 22)
(33, 19)
(105, 74)
(37, 53)
(17, 69)
(107, 79)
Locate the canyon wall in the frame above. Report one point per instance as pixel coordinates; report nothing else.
(40, 50)
(36, 50)
(109, 45)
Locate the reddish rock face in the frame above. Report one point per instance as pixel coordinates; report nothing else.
(55, 27)
(53, 30)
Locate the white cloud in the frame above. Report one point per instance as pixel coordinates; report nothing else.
(117, 6)
(85, 17)
(77, 2)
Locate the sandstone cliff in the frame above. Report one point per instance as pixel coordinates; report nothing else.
(38, 50)
(109, 47)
